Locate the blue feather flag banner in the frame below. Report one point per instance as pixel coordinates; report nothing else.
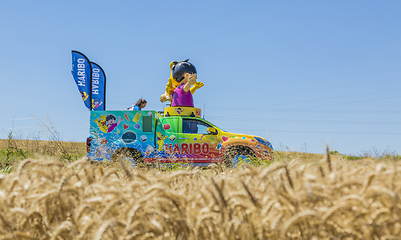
(98, 88)
(82, 73)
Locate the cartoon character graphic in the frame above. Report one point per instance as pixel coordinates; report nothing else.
(108, 123)
(84, 95)
(160, 141)
(96, 103)
(182, 73)
(101, 123)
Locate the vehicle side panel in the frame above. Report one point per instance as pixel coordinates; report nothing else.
(112, 130)
(176, 146)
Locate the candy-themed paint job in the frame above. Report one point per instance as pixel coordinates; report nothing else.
(174, 138)
(111, 130)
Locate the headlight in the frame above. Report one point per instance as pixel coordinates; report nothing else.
(264, 142)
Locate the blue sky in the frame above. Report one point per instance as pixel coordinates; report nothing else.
(301, 74)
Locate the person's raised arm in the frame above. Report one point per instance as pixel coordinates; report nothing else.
(190, 82)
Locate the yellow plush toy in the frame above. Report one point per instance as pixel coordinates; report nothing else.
(172, 83)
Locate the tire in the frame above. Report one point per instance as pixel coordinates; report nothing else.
(128, 156)
(237, 153)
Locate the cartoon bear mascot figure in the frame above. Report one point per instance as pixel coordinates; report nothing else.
(181, 84)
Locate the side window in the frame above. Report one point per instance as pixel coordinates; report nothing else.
(194, 126)
(147, 123)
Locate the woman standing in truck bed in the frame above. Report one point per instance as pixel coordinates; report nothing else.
(138, 105)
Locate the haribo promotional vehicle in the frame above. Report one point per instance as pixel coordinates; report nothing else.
(176, 135)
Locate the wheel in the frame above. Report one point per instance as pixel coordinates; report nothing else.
(128, 156)
(236, 155)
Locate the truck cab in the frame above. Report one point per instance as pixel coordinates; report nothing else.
(178, 134)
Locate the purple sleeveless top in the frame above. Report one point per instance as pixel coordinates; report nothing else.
(181, 98)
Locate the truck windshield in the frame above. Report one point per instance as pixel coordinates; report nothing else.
(217, 127)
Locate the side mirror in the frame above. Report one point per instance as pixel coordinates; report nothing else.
(212, 131)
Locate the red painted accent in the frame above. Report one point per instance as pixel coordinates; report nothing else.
(168, 148)
(184, 148)
(205, 148)
(197, 148)
(176, 149)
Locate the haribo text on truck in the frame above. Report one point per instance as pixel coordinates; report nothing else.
(177, 134)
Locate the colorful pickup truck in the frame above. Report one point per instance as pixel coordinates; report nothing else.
(178, 134)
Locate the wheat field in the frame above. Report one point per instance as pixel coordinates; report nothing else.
(327, 199)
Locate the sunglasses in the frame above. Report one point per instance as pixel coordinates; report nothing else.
(182, 78)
